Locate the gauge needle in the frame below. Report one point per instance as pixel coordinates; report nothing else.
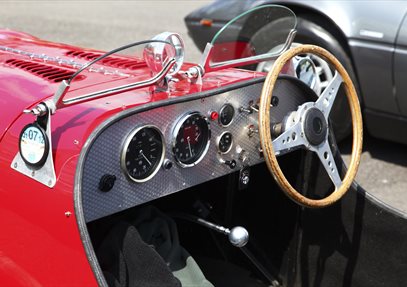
(189, 146)
(196, 138)
(142, 154)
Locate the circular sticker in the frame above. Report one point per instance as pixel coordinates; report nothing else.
(34, 144)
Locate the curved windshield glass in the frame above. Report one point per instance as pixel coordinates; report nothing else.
(261, 33)
(138, 65)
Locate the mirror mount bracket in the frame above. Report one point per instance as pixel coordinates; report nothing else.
(195, 74)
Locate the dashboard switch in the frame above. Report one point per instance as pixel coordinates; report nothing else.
(230, 163)
(244, 178)
(167, 165)
(106, 182)
(244, 157)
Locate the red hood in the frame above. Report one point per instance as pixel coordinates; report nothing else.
(31, 70)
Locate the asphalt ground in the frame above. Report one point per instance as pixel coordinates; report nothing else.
(109, 24)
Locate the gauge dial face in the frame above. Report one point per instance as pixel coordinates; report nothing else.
(225, 142)
(143, 153)
(34, 145)
(191, 139)
(227, 112)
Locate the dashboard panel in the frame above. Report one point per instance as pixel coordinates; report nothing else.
(186, 159)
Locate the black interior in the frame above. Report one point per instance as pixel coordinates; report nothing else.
(358, 241)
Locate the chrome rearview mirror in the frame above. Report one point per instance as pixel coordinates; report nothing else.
(260, 34)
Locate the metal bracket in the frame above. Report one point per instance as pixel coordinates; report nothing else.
(195, 74)
(44, 174)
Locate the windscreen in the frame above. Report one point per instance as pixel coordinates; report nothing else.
(263, 30)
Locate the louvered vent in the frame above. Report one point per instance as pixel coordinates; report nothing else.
(111, 61)
(50, 73)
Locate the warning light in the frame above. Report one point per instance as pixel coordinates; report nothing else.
(214, 116)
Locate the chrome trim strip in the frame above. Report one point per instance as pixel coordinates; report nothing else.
(62, 62)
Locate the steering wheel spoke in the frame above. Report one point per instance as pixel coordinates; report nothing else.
(327, 159)
(328, 96)
(289, 140)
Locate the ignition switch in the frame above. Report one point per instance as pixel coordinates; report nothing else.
(230, 163)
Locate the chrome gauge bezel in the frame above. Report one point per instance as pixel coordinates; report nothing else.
(124, 151)
(218, 142)
(220, 115)
(174, 139)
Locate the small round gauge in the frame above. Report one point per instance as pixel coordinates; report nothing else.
(34, 145)
(191, 139)
(227, 112)
(143, 153)
(225, 142)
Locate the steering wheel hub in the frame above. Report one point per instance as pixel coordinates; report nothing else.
(315, 126)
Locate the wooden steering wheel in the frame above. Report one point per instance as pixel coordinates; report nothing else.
(309, 128)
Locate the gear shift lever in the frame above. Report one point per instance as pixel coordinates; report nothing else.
(238, 236)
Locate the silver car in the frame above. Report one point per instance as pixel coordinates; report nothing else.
(369, 38)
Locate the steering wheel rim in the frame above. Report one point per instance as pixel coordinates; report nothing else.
(294, 136)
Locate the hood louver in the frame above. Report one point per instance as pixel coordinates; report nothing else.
(111, 61)
(50, 73)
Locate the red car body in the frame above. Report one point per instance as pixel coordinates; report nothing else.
(40, 239)
(58, 232)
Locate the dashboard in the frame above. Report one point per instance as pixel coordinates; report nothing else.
(158, 151)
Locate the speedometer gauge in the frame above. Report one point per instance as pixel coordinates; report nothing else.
(143, 153)
(191, 139)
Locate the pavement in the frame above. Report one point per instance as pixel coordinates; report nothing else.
(109, 24)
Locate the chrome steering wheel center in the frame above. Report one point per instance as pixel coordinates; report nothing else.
(315, 126)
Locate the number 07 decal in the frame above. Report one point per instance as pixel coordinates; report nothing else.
(34, 145)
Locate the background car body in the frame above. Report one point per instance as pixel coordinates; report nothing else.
(370, 39)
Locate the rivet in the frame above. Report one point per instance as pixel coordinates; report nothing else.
(15, 165)
(50, 182)
(33, 173)
(68, 214)
(76, 142)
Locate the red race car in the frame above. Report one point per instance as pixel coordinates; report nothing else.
(133, 168)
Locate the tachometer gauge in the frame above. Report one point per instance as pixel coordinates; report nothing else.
(34, 145)
(143, 153)
(191, 139)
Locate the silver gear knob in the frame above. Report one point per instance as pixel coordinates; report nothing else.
(238, 236)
